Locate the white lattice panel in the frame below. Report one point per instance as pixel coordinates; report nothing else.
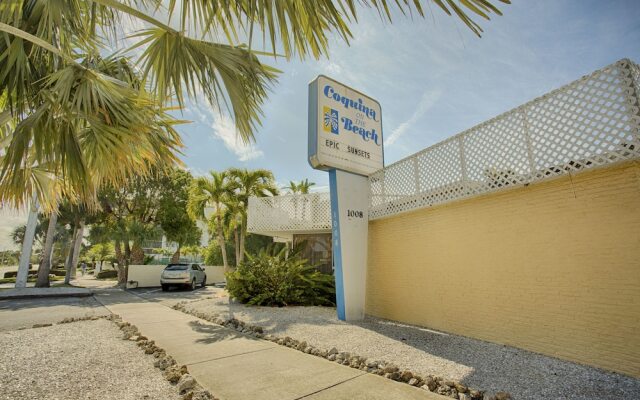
(289, 213)
(591, 122)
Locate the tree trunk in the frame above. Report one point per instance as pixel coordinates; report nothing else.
(237, 245)
(122, 263)
(243, 236)
(221, 243)
(76, 248)
(127, 252)
(69, 259)
(27, 244)
(45, 264)
(176, 256)
(137, 254)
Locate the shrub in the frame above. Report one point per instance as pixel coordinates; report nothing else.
(108, 274)
(213, 256)
(270, 278)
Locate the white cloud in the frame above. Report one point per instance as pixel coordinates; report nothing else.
(225, 130)
(429, 98)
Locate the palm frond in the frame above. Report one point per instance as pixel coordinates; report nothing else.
(227, 76)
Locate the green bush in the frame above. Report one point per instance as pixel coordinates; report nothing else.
(108, 274)
(213, 256)
(273, 279)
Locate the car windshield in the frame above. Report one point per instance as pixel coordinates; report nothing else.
(176, 267)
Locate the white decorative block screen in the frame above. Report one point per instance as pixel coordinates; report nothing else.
(290, 213)
(591, 122)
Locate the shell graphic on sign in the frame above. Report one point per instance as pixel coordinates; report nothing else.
(330, 120)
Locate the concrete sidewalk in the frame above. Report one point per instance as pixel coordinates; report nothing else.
(234, 366)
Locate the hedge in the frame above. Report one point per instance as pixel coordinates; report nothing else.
(107, 274)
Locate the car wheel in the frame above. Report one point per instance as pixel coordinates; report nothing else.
(204, 281)
(165, 288)
(193, 284)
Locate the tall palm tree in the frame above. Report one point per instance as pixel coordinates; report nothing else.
(181, 57)
(75, 113)
(301, 187)
(91, 162)
(234, 212)
(257, 182)
(213, 191)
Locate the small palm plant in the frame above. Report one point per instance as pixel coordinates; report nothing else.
(279, 277)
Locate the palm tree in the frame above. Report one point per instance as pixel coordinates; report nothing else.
(301, 187)
(86, 162)
(234, 214)
(213, 191)
(42, 42)
(89, 120)
(257, 182)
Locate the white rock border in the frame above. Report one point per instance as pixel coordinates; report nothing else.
(177, 375)
(439, 385)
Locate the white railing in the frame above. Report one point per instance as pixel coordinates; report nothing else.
(591, 122)
(289, 213)
(588, 123)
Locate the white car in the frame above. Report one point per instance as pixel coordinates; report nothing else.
(185, 275)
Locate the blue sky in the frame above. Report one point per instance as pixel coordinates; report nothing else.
(433, 77)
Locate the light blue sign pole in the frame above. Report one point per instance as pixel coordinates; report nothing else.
(345, 138)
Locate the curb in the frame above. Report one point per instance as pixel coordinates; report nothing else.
(24, 295)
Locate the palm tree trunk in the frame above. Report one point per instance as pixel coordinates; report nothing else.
(176, 256)
(122, 263)
(76, 248)
(236, 236)
(243, 236)
(127, 252)
(27, 244)
(221, 243)
(137, 254)
(45, 264)
(69, 260)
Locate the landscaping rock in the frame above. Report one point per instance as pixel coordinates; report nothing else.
(201, 395)
(406, 376)
(503, 396)
(390, 369)
(460, 387)
(185, 383)
(258, 329)
(174, 373)
(430, 383)
(164, 363)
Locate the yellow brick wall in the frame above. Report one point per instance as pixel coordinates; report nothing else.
(553, 268)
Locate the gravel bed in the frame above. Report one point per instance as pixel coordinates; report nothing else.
(478, 364)
(79, 360)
